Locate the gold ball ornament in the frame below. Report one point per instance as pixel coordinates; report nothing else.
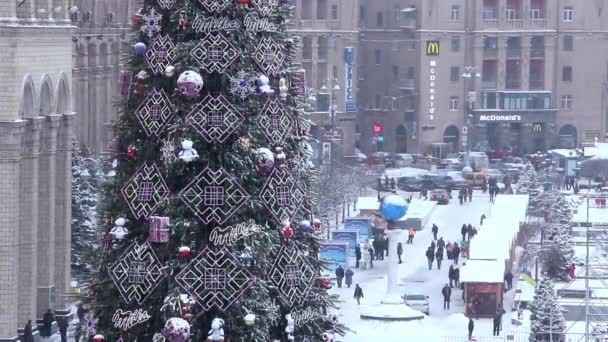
(245, 144)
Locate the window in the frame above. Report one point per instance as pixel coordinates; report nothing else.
(568, 14)
(306, 10)
(453, 102)
(455, 44)
(361, 12)
(490, 43)
(567, 73)
(322, 9)
(334, 72)
(378, 56)
(334, 12)
(307, 47)
(379, 19)
(454, 74)
(568, 43)
(395, 72)
(567, 102)
(377, 104)
(455, 12)
(410, 72)
(535, 13)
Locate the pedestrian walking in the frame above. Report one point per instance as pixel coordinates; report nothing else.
(381, 247)
(435, 230)
(451, 275)
(456, 253)
(371, 257)
(357, 255)
(410, 235)
(47, 322)
(399, 251)
(339, 275)
(433, 245)
(62, 324)
(483, 217)
(27, 332)
(461, 194)
(492, 194)
(470, 194)
(471, 327)
(457, 278)
(376, 249)
(509, 280)
(386, 244)
(449, 248)
(484, 187)
(572, 271)
(358, 294)
(440, 243)
(439, 257)
(497, 322)
(349, 277)
(447, 293)
(463, 231)
(430, 256)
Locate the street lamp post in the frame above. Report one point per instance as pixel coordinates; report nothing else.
(332, 110)
(470, 72)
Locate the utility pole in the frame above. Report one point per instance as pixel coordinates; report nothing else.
(587, 268)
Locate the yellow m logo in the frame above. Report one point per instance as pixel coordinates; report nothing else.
(537, 127)
(432, 48)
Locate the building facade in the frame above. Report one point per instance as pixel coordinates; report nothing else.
(101, 39)
(520, 75)
(328, 30)
(36, 123)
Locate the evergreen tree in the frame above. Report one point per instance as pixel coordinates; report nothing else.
(600, 333)
(557, 253)
(528, 182)
(547, 319)
(85, 192)
(235, 130)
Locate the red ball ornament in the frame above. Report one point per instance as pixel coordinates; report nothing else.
(132, 152)
(287, 232)
(316, 223)
(98, 338)
(243, 3)
(140, 87)
(136, 19)
(184, 251)
(325, 284)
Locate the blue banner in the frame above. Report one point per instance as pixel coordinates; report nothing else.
(361, 224)
(335, 253)
(349, 236)
(349, 105)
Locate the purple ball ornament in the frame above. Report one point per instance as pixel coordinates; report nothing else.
(190, 83)
(305, 226)
(140, 48)
(264, 161)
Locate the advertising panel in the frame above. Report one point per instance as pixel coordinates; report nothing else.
(334, 252)
(349, 236)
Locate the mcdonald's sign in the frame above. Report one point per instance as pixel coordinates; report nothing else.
(432, 48)
(537, 127)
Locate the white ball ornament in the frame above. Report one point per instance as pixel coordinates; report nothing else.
(170, 71)
(190, 83)
(119, 232)
(250, 320)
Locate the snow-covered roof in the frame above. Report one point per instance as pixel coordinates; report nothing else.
(404, 172)
(419, 209)
(564, 152)
(599, 150)
(483, 271)
(368, 203)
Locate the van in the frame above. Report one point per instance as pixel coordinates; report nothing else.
(475, 179)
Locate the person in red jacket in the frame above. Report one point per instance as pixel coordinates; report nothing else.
(572, 271)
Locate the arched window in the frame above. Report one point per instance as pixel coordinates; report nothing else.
(63, 97)
(380, 19)
(450, 137)
(567, 136)
(46, 97)
(401, 139)
(27, 108)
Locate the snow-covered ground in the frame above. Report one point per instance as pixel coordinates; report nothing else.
(416, 278)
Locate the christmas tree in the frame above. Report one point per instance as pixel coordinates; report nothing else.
(528, 182)
(85, 194)
(557, 253)
(600, 333)
(208, 217)
(547, 319)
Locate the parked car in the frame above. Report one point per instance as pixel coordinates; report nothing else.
(417, 302)
(450, 163)
(410, 183)
(493, 173)
(439, 195)
(403, 160)
(475, 179)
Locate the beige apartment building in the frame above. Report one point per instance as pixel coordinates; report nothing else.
(329, 42)
(520, 75)
(36, 123)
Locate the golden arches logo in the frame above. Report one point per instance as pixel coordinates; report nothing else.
(432, 48)
(537, 127)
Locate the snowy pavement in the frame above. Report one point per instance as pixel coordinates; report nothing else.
(416, 278)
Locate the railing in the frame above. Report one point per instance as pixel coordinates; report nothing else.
(513, 53)
(407, 23)
(513, 84)
(407, 84)
(515, 23)
(538, 52)
(521, 337)
(493, 84)
(490, 23)
(490, 52)
(539, 23)
(537, 84)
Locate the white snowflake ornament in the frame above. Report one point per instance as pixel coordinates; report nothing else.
(283, 88)
(188, 153)
(167, 152)
(242, 85)
(90, 324)
(151, 25)
(264, 85)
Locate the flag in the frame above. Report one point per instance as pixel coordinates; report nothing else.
(527, 277)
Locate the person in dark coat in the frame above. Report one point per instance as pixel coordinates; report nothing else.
(376, 244)
(386, 246)
(471, 327)
(440, 243)
(457, 277)
(371, 257)
(447, 293)
(439, 257)
(451, 275)
(47, 321)
(461, 194)
(455, 253)
(483, 217)
(509, 280)
(430, 256)
(357, 255)
(358, 294)
(435, 230)
(27, 332)
(339, 275)
(349, 277)
(433, 245)
(496, 322)
(381, 247)
(463, 231)
(470, 193)
(63, 324)
(399, 251)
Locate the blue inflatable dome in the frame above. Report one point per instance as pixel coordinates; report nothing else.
(393, 207)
